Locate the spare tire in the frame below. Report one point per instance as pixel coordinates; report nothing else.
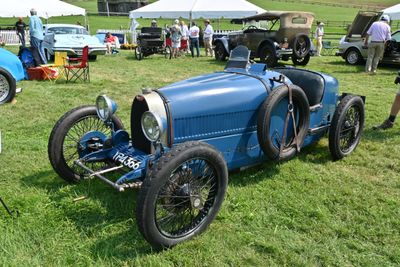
(271, 122)
(301, 45)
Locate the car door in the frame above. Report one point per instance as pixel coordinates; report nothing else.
(392, 48)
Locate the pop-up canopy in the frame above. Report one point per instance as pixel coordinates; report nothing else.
(194, 9)
(44, 8)
(393, 12)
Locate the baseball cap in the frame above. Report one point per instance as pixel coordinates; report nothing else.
(385, 18)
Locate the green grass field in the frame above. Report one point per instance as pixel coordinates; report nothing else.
(309, 211)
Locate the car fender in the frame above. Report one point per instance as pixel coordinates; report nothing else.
(352, 47)
(225, 43)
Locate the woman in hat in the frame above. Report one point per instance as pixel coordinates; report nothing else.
(319, 33)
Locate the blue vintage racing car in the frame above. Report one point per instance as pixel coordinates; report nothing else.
(11, 71)
(187, 136)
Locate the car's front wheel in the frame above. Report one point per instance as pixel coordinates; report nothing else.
(78, 132)
(268, 56)
(220, 53)
(181, 194)
(7, 86)
(138, 53)
(353, 56)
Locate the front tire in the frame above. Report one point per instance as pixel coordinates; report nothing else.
(347, 126)
(353, 57)
(268, 56)
(220, 53)
(64, 142)
(7, 86)
(181, 194)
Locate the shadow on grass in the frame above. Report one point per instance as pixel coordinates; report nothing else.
(101, 213)
(379, 135)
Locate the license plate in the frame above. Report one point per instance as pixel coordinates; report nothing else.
(126, 160)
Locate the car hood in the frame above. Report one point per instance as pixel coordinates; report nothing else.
(76, 40)
(362, 22)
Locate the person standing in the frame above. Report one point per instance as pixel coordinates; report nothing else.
(319, 33)
(194, 33)
(379, 33)
(20, 29)
(208, 37)
(36, 34)
(176, 36)
(185, 34)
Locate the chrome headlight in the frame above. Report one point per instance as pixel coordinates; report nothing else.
(105, 107)
(152, 126)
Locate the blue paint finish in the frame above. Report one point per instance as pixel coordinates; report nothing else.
(12, 64)
(222, 109)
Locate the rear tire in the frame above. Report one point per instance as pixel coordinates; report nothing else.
(353, 57)
(138, 53)
(346, 127)
(301, 61)
(301, 45)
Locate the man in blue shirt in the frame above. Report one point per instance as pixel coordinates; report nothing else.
(36, 34)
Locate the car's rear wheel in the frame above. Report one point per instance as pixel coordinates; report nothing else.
(268, 55)
(353, 57)
(220, 53)
(181, 194)
(301, 61)
(346, 127)
(7, 86)
(65, 143)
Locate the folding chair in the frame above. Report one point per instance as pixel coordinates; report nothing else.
(56, 70)
(80, 68)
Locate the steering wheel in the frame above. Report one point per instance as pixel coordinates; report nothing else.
(250, 27)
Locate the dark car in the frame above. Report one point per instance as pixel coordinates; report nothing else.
(186, 136)
(351, 46)
(271, 36)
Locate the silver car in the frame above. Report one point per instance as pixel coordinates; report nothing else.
(351, 46)
(70, 38)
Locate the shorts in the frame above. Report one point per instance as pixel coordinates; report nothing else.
(176, 44)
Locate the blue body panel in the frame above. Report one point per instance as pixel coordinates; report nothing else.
(12, 64)
(222, 109)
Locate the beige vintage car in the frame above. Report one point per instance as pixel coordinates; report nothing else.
(271, 36)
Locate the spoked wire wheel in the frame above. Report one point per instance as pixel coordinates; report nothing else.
(66, 146)
(7, 86)
(347, 126)
(181, 194)
(186, 198)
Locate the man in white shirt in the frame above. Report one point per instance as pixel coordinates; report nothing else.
(194, 32)
(319, 33)
(379, 33)
(207, 38)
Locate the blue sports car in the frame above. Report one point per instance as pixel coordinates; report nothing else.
(187, 136)
(11, 71)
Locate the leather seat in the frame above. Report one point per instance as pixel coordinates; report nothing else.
(312, 83)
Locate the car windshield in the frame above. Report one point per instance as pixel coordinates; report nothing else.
(264, 24)
(67, 30)
(396, 36)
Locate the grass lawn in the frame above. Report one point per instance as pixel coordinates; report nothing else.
(309, 211)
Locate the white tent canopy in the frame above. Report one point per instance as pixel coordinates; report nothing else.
(44, 8)
(393, 12)
(194, 9)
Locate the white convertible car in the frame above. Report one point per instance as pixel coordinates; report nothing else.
(70, 38)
